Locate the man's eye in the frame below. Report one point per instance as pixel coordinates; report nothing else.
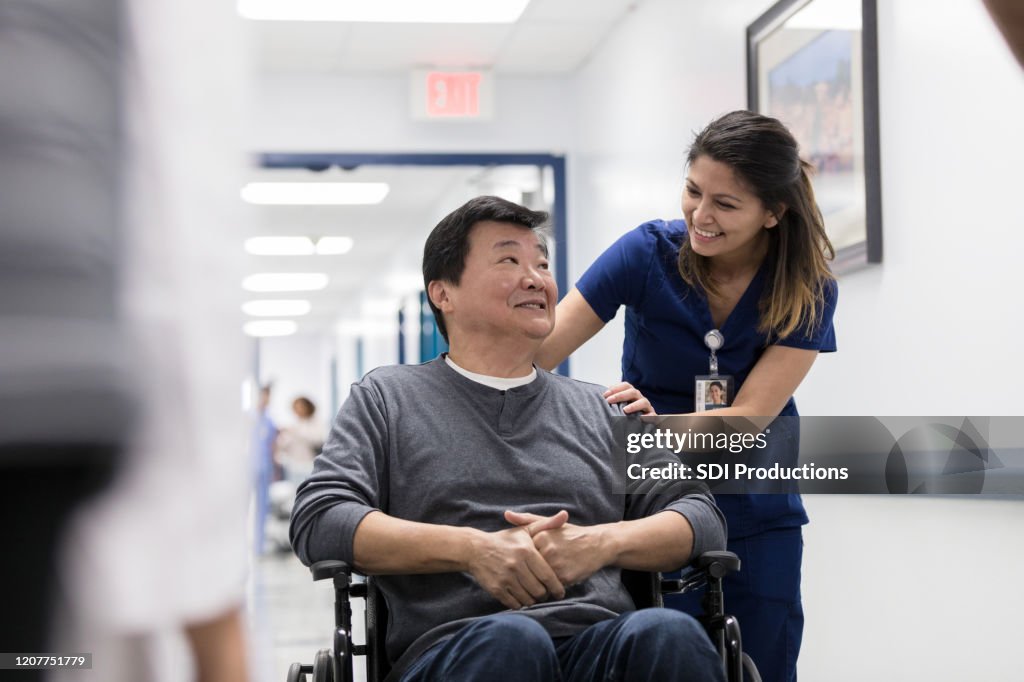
(509, 259)
(543, 266)
(692, 192)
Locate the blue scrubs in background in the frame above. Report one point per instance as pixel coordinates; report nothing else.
(666, 320)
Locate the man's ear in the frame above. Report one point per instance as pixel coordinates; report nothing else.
(437, 290)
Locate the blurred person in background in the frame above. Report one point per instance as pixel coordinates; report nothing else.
(263, 444)
(299, 444)
(118, 206)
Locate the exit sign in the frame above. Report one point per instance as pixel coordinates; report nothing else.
(452, 95)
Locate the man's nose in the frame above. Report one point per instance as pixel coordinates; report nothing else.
(532, 279)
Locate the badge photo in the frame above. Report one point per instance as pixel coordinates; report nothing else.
(712, 392)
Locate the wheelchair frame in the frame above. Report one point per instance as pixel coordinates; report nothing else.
(647, 589)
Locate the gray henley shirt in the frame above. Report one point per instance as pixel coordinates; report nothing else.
(424, 443)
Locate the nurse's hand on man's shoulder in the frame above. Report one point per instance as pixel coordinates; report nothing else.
(635, 401)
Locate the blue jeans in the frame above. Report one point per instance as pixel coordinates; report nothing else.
(640, 646)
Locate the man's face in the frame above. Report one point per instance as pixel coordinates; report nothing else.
(506, 290)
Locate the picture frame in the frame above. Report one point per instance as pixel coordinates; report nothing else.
(813, 64)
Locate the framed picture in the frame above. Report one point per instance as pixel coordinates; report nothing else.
(813, 64)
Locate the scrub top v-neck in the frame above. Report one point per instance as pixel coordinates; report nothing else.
(663, 349)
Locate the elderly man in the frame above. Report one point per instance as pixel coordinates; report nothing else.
(481, 489)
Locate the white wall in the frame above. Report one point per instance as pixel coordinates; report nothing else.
(373, 114)
(891, 589)
(952, 99)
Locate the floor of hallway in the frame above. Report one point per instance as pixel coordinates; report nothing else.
(291, 617)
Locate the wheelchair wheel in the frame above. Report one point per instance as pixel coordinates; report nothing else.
(322, 669)
(750, 673)
(295, 673)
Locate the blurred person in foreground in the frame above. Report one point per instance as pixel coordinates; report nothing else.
(66, 403)
(118, 187)
(1008, 15)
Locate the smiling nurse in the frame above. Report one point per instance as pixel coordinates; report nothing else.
(750, 261)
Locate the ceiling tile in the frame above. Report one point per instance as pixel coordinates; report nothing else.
(548, 47)
(299, 46)
(403, 46)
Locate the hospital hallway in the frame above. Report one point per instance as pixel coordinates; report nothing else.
(234, 237)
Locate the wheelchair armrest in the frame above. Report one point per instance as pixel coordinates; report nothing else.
(718, 564)
(341, 572)
(708, 566)
(322, 570)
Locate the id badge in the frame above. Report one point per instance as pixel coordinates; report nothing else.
(712, 392)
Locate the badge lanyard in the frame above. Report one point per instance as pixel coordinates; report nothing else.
(712, 391)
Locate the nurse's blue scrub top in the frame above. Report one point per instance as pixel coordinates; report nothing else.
(666, 320)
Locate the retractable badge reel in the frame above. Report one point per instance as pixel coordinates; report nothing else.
(712, 391)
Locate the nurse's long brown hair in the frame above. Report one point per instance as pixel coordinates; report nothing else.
(765, 158)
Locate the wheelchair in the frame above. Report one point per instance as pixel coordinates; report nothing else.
(647, 590)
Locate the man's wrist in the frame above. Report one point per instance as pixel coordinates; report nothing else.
(610, 543)
(466, 545)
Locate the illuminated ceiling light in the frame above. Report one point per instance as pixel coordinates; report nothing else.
(285, 281)
(315, 193)
(334, 246)
(276, 308)
(280, 246)
(390, 11)
(270, 328)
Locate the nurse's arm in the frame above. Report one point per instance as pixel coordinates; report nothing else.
(575, 323)
(771, 382)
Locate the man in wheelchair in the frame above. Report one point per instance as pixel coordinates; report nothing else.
(480, 490)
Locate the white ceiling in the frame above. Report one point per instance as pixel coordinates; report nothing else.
(551, 37)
